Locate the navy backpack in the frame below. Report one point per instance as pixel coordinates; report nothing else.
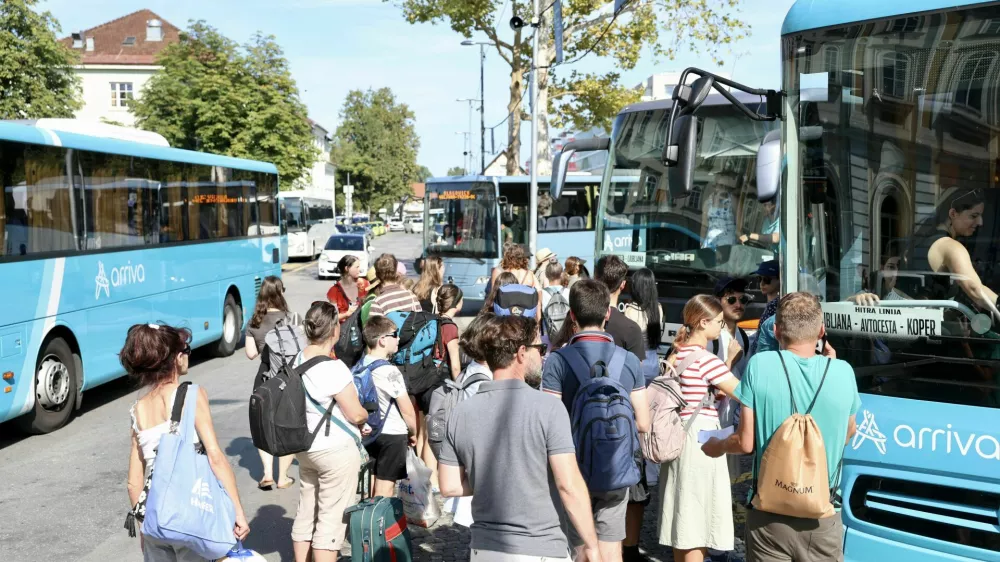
(603, 423)
(368, 395)
(516, 300)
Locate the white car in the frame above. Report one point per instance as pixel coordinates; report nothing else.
(395, 225)
(415, 225)
(338, 246)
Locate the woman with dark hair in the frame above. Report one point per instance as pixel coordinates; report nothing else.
(645, 311)
(505, 278)
(936, 249)
(271, 308)
(351, 289)
(329, 469)
(431, 279)
(156, 356)
(696, 512)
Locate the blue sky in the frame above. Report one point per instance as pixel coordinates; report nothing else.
(335, 46)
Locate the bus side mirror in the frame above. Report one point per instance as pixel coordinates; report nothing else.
(679, 158)
(769, 166)
(560, 166)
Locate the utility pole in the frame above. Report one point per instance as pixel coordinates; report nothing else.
(471, 154)
(482, 109)
(533, 195)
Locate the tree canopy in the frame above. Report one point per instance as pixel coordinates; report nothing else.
(424, 173)
(377, 144)
(584, 100)
(217, 96)
(456, 171)
(36, 70)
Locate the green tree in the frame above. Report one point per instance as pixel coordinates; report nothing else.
(377, 144)
(217, 96)
(456, 171)
(36, 71)
(424, 173)
(585, 100)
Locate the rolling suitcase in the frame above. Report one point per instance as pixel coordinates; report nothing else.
(377, 529)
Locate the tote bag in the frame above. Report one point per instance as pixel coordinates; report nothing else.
(186, 505)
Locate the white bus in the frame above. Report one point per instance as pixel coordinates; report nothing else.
(309, 216)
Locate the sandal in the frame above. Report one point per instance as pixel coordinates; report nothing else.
(289, 483)
(265, 484)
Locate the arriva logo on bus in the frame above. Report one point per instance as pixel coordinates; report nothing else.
(926, 439)
(127, 274)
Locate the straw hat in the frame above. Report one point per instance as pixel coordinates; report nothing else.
(372, 278)
(543, 255)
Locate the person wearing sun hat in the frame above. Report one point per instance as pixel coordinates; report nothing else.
(373, 286)
(542, 259)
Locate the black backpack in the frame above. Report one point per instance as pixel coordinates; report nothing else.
(743, 336)
(278, 412)
(421, 356)
(351, 345)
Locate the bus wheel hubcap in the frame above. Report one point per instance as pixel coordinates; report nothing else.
(52, 389)
(230, 325)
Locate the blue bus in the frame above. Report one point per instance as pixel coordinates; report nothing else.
(688, 242)
(890, 116)
(496, 210)
(98, 234)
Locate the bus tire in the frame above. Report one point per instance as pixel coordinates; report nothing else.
(55, 388)
(232, 320)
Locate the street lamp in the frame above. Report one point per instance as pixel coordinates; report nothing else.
(482, 97)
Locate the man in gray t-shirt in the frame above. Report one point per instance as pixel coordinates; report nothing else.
(518, 473)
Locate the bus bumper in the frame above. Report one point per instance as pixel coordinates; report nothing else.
(864, 547)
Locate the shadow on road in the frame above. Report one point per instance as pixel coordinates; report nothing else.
(271, 532)
(243, 448)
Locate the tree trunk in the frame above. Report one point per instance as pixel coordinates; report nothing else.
(514, 124)
(546, 55)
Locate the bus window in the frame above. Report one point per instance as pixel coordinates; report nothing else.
(36, 211)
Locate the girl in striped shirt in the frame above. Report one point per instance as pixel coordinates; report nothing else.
(695, 502)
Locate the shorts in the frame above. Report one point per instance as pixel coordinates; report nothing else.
(609, 517)
(639, 494)
(388, 453)
(424, 399)
(772, 538)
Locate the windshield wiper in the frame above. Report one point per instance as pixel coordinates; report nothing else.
(443, 250)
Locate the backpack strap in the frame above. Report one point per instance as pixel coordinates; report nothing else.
(745, 338)
(178, 409)
(709, 397)
(473, 379)
(328, 414)
(576, 362)
(617, 363)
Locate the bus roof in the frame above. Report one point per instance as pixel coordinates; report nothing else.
(48, 137)
(815, 14)
(570, 179)
(712, 99)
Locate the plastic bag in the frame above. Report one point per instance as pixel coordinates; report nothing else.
(419, 504)
(240, 554)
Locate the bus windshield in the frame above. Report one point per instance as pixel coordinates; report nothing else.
(893, 161)
(294, 214)
(698, 234)
(462, 220)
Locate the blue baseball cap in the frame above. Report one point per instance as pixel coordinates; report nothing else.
(768, 268)
(737, 284)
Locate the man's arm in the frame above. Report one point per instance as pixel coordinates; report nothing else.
(852, 428)
(739, 443)
(640, 403)
(453, 481)
(575, 497)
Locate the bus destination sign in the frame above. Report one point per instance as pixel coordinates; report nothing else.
(457, 195)
(882, 321)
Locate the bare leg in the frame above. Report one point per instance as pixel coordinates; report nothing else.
(633, 524)
(268, 461)
(384, 488)
(612, 551)
(693, 555)
(426, 455)
(284, 463)
(301, 550)
(325, 555)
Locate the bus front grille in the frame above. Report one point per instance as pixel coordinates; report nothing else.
(955, 515)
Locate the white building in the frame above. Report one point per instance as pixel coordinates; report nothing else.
(321, 176)
(661, 85)
(116, 60)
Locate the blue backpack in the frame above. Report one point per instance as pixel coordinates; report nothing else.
(368, 395)
(516, 300)
(187, 505)
(603, 423)
(420, 350)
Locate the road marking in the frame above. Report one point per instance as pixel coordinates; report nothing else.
(286, 268)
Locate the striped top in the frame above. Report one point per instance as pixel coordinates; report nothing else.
(394, 298)
(696, 380)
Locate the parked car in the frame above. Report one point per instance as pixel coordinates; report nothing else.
(338, 246)
(395, 225)
(416, 225)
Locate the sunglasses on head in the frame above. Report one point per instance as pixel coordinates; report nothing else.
(745, 299)
(975, 193)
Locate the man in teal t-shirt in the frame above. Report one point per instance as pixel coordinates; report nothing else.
(764, 394)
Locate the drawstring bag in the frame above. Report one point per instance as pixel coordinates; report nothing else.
(793, 479)
(187, 505)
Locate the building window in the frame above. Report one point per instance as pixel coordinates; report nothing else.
(831, 59)
(121, 94)
(894, 67)
(972, 80)
(903, 25)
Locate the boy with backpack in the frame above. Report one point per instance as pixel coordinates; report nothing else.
(800, 422)
(396, 421)
(555, 300)
(604, 390)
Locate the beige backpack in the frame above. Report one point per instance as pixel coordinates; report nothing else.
(667, 434)
(793, 478)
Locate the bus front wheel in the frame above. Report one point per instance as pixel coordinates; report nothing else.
(55, 389)
(232, 320)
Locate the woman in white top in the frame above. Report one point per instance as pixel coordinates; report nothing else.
(695, 498)
(645, 310)
(328, 471)
(156, 356)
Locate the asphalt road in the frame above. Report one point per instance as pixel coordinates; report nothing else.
(63, 494)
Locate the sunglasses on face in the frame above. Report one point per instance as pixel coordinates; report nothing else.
(186, 350)
(540, 347)
(765, 280)
(394, 334)
(745, 299)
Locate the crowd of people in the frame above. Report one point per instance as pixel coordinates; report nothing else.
(544, 444)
